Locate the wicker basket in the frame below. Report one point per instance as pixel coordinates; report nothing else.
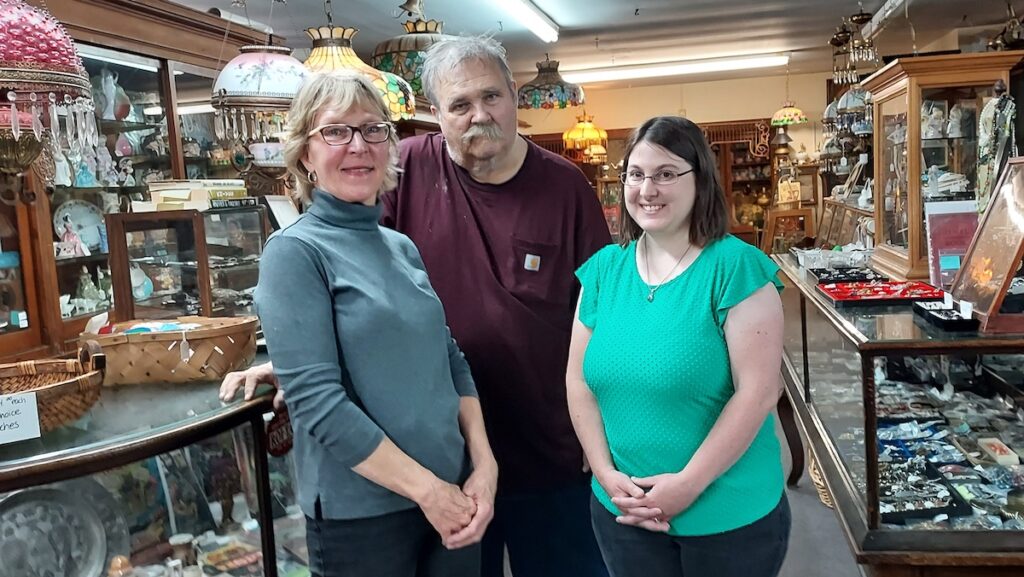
(219, 345)
(65, 389)
(814, 472)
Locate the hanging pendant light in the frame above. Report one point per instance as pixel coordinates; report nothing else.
(549, 90)
(42, 80)
(253, 93)
(582, 135)
(789, 113)
(403, 55)
(332, 50)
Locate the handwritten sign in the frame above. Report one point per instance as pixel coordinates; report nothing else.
(19, 418)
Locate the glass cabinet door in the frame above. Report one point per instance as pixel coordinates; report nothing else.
(92, 182)
(18, 318)
(894, 231)
(234, 243)
(950, 123)
(204, 155)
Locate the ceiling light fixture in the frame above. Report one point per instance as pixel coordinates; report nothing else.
(673, 68)
(530, 16)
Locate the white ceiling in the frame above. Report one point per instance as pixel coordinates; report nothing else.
(618, 32)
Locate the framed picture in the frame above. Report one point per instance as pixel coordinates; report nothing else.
(281, 210)
(992, 263)
(786, 228)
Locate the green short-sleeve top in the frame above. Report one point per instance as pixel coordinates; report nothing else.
(660, 373)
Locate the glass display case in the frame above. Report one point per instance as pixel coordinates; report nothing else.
(152, 475)
(90, 182)
(898, 414)
(19, 320)
(185, 262)
(928, 111)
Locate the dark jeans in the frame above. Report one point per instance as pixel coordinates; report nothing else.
(756, 550)
(401, 544)
(548, 534)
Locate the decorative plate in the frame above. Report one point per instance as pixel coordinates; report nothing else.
(86, 220)
(48, 531)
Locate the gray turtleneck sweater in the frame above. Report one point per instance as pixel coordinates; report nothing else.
(359, 342)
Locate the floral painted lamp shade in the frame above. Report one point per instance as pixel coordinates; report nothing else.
(253, 92)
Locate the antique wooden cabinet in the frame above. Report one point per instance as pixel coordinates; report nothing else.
(929, 117)
(165, 57)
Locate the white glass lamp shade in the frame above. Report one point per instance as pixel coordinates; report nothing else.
(261, 76)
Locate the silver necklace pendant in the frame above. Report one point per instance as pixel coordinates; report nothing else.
(650, 297)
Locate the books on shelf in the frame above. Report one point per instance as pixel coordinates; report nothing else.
(190, 194)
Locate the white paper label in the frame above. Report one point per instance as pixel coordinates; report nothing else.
(947, 300)
(966, 309)
(19, 417)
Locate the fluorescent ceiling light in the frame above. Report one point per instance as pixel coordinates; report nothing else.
(118, 61)
(530, 16)
(182, 110)
(672, 69)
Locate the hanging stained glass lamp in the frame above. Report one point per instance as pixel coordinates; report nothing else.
(549, 90)
(332, 50)
(403, 55)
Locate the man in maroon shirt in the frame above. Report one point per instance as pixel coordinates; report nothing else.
(501, 225)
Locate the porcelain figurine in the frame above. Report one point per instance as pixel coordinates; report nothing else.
(953, 127)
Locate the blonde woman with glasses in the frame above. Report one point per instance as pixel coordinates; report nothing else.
(396, 476)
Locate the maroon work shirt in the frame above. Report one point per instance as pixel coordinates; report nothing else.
(502, 260)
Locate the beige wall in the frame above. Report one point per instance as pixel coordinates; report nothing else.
(700, 101)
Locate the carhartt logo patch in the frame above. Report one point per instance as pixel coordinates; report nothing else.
(532, 262)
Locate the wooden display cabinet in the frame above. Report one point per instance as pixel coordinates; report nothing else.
(746, 172)
(926, 116)
(147, 43)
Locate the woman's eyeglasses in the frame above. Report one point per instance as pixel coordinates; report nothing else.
(636, 177)
(340, 134)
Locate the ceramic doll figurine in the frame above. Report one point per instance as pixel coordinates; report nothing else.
(953, 127)
(933, 123)
(106, 170)
(62, 175)
(85, 177)
(87, 289)
(108, 87)
(71, 239)
(126, 173)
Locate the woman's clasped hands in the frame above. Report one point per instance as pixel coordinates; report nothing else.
(648, 502)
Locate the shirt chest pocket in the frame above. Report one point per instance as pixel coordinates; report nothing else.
(539, 272)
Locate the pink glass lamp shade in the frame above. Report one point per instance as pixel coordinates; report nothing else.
(42, 80)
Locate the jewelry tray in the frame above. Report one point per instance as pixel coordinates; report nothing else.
(837, 275)
(878, 293)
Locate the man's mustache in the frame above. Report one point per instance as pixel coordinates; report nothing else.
(490, 131)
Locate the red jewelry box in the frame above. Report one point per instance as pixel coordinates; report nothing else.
(878, 293)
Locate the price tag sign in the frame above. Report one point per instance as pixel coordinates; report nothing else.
(19, 418)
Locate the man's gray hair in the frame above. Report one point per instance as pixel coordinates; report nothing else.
(443, 57)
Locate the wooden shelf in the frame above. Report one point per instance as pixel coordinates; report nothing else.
(95, 257)
(110, 127)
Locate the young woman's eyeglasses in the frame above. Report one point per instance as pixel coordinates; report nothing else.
(339, 134)
(636, 177)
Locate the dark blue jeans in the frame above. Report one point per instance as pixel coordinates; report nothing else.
(756, 550)
(548, 534)
(401, 544)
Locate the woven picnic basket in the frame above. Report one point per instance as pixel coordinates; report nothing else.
(218, 346)
(65, 388)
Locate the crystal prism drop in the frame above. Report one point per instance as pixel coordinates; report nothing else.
(15, 123)
(234, 123)
(245, 128)
(37, 122)
(218, 126)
